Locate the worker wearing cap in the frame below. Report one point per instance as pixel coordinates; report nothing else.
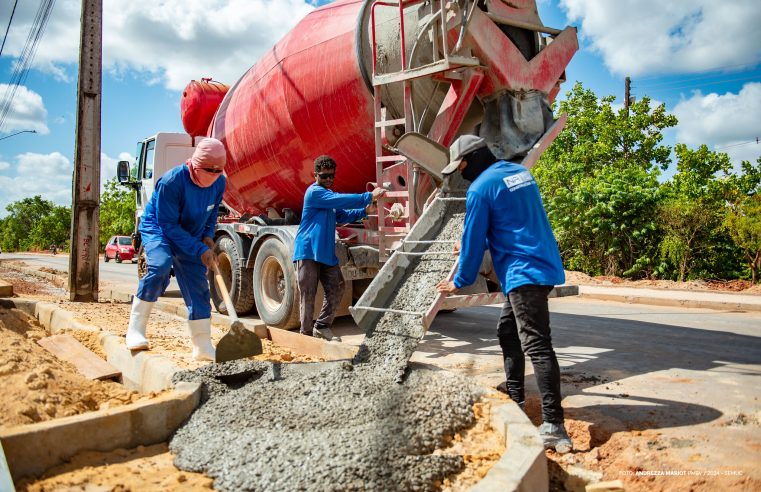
(177, 228)
(504, 213)
(314, 250)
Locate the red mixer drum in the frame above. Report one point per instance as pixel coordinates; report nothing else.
(199, 102)
(304, 98)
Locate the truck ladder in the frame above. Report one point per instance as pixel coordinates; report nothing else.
(390, 236)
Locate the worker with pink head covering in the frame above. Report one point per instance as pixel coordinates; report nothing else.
(177, 230)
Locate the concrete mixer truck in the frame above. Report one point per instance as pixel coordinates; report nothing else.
(383, 87)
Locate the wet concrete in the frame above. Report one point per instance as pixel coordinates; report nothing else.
(395, 337)
(339, 425)
(328, 426)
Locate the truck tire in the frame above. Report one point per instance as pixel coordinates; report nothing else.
(238, 279)
(118, 257)
(275, 286)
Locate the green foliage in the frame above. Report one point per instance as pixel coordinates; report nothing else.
(53, 228)
(117, 211)
(599, 182)
(743, 223)
(23, 216)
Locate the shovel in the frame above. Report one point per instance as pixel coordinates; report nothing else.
(238, 342)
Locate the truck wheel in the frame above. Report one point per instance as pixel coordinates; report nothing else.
(275, 286)
(142, 263)
(239, 279)
(118, 257)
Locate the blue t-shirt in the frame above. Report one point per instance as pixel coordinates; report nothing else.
(504, 212)
(182, 212)
(316, 239)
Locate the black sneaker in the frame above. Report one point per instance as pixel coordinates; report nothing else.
(325, 333)
(502, 388)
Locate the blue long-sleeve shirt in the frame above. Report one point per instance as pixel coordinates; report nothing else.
(182, 212)
(504, 212)
(323, 208)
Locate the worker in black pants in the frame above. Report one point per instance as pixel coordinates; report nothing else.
(504, 213)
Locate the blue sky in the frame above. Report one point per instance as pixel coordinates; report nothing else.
(701, 58)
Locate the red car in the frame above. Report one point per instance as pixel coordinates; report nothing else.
(120, 249)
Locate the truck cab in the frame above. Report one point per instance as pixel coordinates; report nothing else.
(153, 158)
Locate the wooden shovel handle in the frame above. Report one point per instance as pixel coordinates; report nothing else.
(225, 295)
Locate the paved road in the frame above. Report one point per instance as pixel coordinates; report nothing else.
(122, 275)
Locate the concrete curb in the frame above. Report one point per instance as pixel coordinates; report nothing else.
(6, 289)
(53, 278)
(141, 371)
(32, 449)
(523, 465)
(727, 304)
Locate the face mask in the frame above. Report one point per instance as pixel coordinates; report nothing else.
(201, 177)
(478, 161)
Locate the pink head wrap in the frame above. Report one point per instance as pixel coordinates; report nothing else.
(207, 163)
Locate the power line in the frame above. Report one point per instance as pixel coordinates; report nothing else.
(679, 82)
(749, 142)
(27, 55)
(708, 70)
(687, 86)
(9, 27)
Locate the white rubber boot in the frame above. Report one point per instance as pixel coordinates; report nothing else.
(200, 336)
(138, 322)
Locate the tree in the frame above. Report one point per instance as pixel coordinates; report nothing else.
(22, 216)
(53, 228)
(599, 183)
(692, 210)
(117, 211)
(744, 225)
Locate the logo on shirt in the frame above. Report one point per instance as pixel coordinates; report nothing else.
(518, 181)
(210, 208)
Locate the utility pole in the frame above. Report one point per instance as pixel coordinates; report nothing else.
(85, 210)
(627, 96)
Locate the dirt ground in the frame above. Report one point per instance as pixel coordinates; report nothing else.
(152, 467)
(37, 386)
(737, 286)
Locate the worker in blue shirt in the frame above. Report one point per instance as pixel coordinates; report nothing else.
(314, 250)
(177, 230)
(504, 213)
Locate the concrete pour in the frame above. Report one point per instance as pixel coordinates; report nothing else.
(340, 425)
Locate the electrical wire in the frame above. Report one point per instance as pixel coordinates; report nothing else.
(741, 144)
(7, 29)
(25, 58)
(709, 70)
(681, 82)
(699, 85)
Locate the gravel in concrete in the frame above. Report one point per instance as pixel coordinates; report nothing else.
(338, 425)
(395, 337)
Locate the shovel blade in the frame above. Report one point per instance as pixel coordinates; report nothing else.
(238, 343)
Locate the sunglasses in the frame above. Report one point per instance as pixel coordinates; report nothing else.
(212, 171)
(326, 175)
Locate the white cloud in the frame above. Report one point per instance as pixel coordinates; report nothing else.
(108, 167)
(637, 37)
(722, 121)
(27, 111)
(173, 41)
(47, 175)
